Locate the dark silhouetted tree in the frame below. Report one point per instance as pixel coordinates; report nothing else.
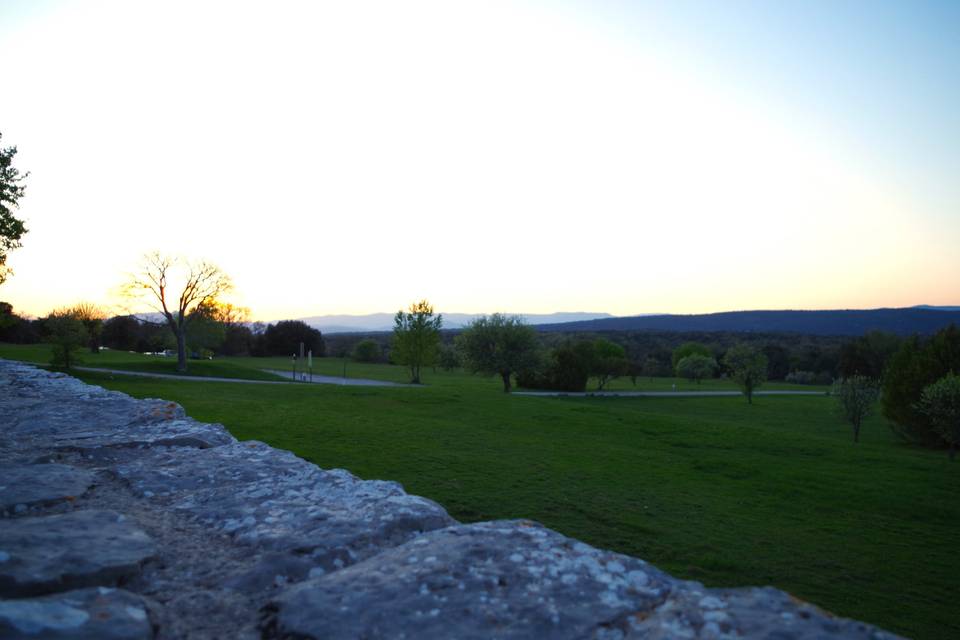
(67, 335)
(92, 318)
(11, 190)
(284, 338)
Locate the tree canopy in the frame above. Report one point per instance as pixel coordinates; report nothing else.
(748, 368)
(499, 345)
(690, 349)
(416, 337)
(11, 190)
(916, 364)
(940, 401)
(696, 367)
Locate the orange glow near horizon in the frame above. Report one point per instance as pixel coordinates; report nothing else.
(501, 156)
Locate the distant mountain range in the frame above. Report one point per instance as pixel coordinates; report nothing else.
(846, 322)
(384, 321)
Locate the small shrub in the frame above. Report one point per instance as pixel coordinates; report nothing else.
(367, 351)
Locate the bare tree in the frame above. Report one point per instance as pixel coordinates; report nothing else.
(161, 277)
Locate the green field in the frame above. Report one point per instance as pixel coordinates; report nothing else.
(249, 368)
(710, 489)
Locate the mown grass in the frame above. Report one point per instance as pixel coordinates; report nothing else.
(128, 361)
(710, 489)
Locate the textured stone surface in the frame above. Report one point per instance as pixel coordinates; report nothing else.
(516, 579)
(274, 500)
(48, 411)
(51, 553)
(94, 613)
(254, 542)
(28, 485)
(511, 579)
(713, 614)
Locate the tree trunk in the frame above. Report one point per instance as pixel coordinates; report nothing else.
(506, 381)
(414, 374)
(953, 451)
(856, 432)
(181, 350)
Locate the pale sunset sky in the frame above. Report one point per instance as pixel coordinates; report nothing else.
(627, 157)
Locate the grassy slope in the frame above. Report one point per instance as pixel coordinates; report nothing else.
(126, 361)
(710, 489)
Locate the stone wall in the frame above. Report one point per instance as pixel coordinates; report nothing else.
(125, 518)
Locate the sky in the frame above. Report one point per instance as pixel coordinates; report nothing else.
(620, 157)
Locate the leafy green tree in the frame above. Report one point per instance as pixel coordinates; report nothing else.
(690, 349)
(498, 345)
(696, 367)
(915, 365)
(67, 335)
(367, 351)
(416, 337)
(856, 397)
(941, 402)
(609, 361)
(11, 190)
(564, 368)
(748, 368)
(448, 357)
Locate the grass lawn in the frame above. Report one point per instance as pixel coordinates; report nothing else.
(711, 489)
(128, 361)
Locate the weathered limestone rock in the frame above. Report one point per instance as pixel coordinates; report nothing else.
(711, 614)
(52, 553)
(28, 485)
(84, 614)
(276, 501)
(49, 411)
(494, 579)
(517, 579)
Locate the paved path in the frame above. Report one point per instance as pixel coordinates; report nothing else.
(663, 394)
(350, 382)
(316, 379)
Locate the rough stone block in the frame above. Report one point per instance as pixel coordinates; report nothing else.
(276, 501)
(87, 614)
(494, 579)
(712, 614)
(44, 554)
(23, 486)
